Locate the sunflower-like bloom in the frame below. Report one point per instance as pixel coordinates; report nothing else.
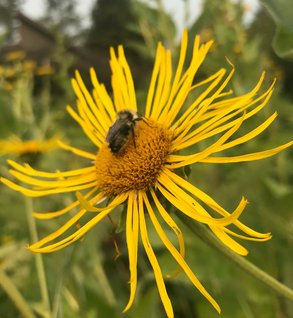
(15, 55)
(144, 170)
(14, 145)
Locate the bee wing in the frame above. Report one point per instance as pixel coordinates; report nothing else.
(115, 129)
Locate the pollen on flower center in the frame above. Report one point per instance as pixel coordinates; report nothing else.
(134, 168)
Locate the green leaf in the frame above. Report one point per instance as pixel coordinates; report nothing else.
(122, 221)
(282, 13)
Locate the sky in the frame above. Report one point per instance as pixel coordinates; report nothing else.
(34, 9)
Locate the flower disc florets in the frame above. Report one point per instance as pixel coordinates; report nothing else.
(134, 168)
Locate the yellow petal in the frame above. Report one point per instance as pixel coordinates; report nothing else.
(177, 256)
(249, 157)
(153, 80)
(187, 160)
(97, 141)
(36, 246)
(54, 184)
(210, 202)
(88, 106)
(32, 172)
(132, 245)
(153, 260)
(72, 238)
(103, 95)
(77, 151)
(194, 210)
(89, 207)
(128, 78)
(50, 215)
(34, 193)
(166, 216)
(248, 238)
(228, 241)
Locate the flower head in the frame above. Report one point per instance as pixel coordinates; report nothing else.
(15, 55)
(14, 145)
(146, 166)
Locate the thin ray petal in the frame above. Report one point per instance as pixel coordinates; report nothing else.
(52, 184)
(177, 255)
(89, 107)
(153, 80)
(50, 215)
(102, 93)
(132, 245)
(77, 151)
(248, 157)
(98, 142)
(72, 238)
(153, 260)
(197, 212)
(210, 202)
(33, 193)
(128, 77)
(173, 226)
(89, 207)
(228, 241)
(187, 160)
(34, 247)
(32, 172)
(264, 239)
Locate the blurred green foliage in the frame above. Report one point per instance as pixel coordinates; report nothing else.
(83, 279)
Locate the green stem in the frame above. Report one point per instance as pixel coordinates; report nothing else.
(207, 236)
(38, 257)
(15, 295)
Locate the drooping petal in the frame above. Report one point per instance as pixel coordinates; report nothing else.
(194, 210)
(153, 260)
(228, 241)
(50, 215)
(166, 216)
(264, 239)
(177, 255)
(183, 200)
(36, 247)
(132, 245)
(210, 202)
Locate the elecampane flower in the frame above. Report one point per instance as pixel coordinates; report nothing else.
(14, 145)
(140, 172)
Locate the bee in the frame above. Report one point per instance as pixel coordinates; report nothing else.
(122, 129)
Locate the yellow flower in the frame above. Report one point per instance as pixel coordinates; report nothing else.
(15, 55)
(14, 145)
(28, 65)
(139, 173)
(45, 70)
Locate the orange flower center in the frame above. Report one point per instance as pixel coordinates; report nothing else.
(134, 168)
